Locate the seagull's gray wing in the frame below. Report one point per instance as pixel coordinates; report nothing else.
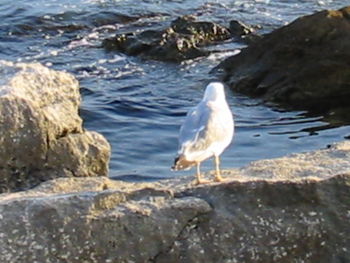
(194, 129)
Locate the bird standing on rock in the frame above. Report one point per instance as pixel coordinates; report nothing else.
(207, 131)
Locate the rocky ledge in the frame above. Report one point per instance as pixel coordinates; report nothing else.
(41, 133)
(185, 38)
(304, 64)
(291, 209)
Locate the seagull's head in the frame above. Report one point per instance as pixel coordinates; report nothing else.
(214, 91)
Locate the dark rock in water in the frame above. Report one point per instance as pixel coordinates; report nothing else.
(291, 209)
(304, 64)
(237, 28)
(182, 40)
(243, 32)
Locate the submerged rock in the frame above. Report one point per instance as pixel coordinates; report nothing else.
(182, 40)
(291, 209)
(41, 134)
(304, 64)
(239, 29)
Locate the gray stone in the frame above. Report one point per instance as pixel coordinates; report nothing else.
(303, 65)
(290, 209)
(183, 39)
(41, 134)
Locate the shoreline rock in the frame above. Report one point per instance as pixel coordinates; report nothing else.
(41, 133)
(264, 212)
(183, 39)
(303, 65)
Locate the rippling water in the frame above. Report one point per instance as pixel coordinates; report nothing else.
(139, 104)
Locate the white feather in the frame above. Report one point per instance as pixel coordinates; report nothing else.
(208, 128)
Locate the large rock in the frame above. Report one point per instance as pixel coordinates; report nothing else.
(184, 39)
(41, 134)
(291, 209)
(304, 64)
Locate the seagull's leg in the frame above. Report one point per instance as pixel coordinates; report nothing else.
(218, 177)
(198, 173)
(199, 179)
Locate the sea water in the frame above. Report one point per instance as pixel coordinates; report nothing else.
(139, 104)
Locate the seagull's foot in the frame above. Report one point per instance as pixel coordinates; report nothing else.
(218, 178)
(200, 181)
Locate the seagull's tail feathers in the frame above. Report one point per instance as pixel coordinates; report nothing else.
(181, 163)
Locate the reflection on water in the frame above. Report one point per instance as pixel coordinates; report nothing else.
(139, 104)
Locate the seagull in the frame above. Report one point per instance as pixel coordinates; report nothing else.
(206, 132)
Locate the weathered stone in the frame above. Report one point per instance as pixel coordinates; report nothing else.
(303, 64)
(237, 28)
(245, 33)
(264, 212)
(41, 134)
(107, 226)
(182, 40)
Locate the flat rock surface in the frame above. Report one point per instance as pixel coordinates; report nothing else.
(290, 209)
